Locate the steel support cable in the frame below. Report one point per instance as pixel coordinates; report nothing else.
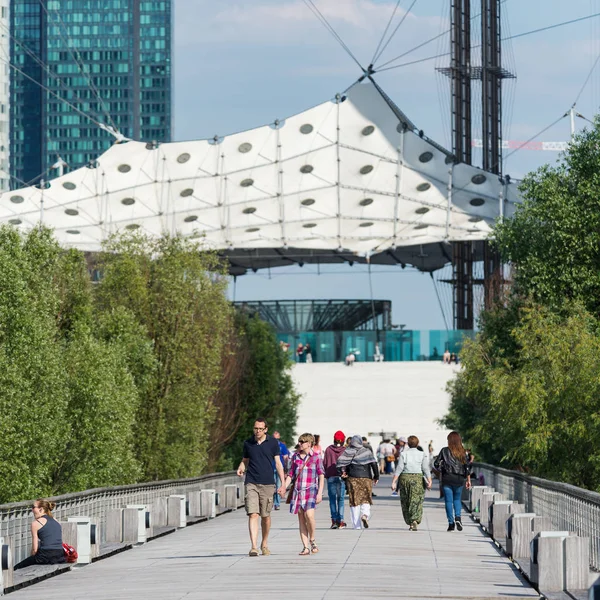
(311, 5)
(396, 30)
(439, 35)
(387, 27)
(437, 293)
(36, 58)
(512, 37)
(587, 79)
(78, 61)
(47, 89)
(505, 158)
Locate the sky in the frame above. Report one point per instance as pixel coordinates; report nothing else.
(240, 64)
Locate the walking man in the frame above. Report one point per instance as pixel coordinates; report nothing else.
(260, 451)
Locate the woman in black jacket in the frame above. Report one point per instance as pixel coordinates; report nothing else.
(358, 467)
(455, 467)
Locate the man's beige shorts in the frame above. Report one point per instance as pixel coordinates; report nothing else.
(259, 499)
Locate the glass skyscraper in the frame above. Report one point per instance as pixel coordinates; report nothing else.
(109, 60)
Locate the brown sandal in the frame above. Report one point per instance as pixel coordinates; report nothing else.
(305, 551)
(313, 547)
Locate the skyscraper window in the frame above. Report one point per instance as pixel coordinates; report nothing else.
(89, 53)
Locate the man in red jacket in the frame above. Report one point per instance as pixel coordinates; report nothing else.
(336, 487)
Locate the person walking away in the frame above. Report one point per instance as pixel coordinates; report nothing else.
(308, 352)
(455, 467)
(284, 455)
(411, 474)
(257, 464)
(381, 456)
(46, 537)
(365, 442)
(307, 473)
(336, 486)
(389, 456)
(358, 467)
(377, 356)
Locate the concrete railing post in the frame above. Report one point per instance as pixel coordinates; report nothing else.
(547, 561)
(176, 513)
(231, 496)
(114, 525)
(159, 512)
(70, 535)
(519, 535)
(486, 502)
(6, 566)
(499, 511)
(577, 560)
(208, 500)
(144, 524)
(476, 494)
(195, 504)
(83, 537)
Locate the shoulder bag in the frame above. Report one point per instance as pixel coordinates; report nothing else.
(290, 494)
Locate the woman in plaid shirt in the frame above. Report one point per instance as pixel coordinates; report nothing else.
(308, 474)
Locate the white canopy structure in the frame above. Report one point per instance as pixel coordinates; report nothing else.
(348, 180)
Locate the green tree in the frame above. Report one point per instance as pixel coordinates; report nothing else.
(177, 292)
(554, 236)
(33, 394)
(267, 385)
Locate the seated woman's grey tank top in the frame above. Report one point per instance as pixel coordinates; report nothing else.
(50, 534)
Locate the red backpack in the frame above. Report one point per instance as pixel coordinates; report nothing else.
(70, 553)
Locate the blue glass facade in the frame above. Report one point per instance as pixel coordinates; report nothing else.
(111, 59)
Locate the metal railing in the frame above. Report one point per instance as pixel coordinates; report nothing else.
(569, 508)
(16, 518)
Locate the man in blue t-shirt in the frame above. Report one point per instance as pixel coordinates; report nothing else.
(257, 464)
(284, 455)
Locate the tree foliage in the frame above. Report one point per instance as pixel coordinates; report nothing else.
(528, 395)
(148, 374)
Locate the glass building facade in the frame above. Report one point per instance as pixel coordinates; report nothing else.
(109, 59)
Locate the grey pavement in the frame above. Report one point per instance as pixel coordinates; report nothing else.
(387, 560)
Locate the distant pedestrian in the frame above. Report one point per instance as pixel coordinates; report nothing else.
(257, 464)
(300, 354)
(309, 353)
(377, 355)
(455, 467)
(336, 486)
(46, 537)
(317, 445)
(358, 467)
(308, 476)
(412, 473)
(284, 456)
(365, 442)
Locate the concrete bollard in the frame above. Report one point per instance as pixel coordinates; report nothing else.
(131, 519)
(195, 504)
(208, 500)
(547, 560)
(70, 535)
(519, 534)
(176, 516)
(114, 526)
(499, 511)
(476, 494)
(486, 502)
(159, 512)
(231, 496)
(144, 522)
(577, 560)
(83, 537)
(6, 566)
(540, 524)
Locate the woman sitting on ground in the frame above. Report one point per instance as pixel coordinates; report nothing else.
(413, 471)
(46, 536)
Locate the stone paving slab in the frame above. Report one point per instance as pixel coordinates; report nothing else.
(385, 561)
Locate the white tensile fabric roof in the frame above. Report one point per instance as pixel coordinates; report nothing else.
(350, 176)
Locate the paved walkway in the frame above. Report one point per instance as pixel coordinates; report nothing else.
(210, 560)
